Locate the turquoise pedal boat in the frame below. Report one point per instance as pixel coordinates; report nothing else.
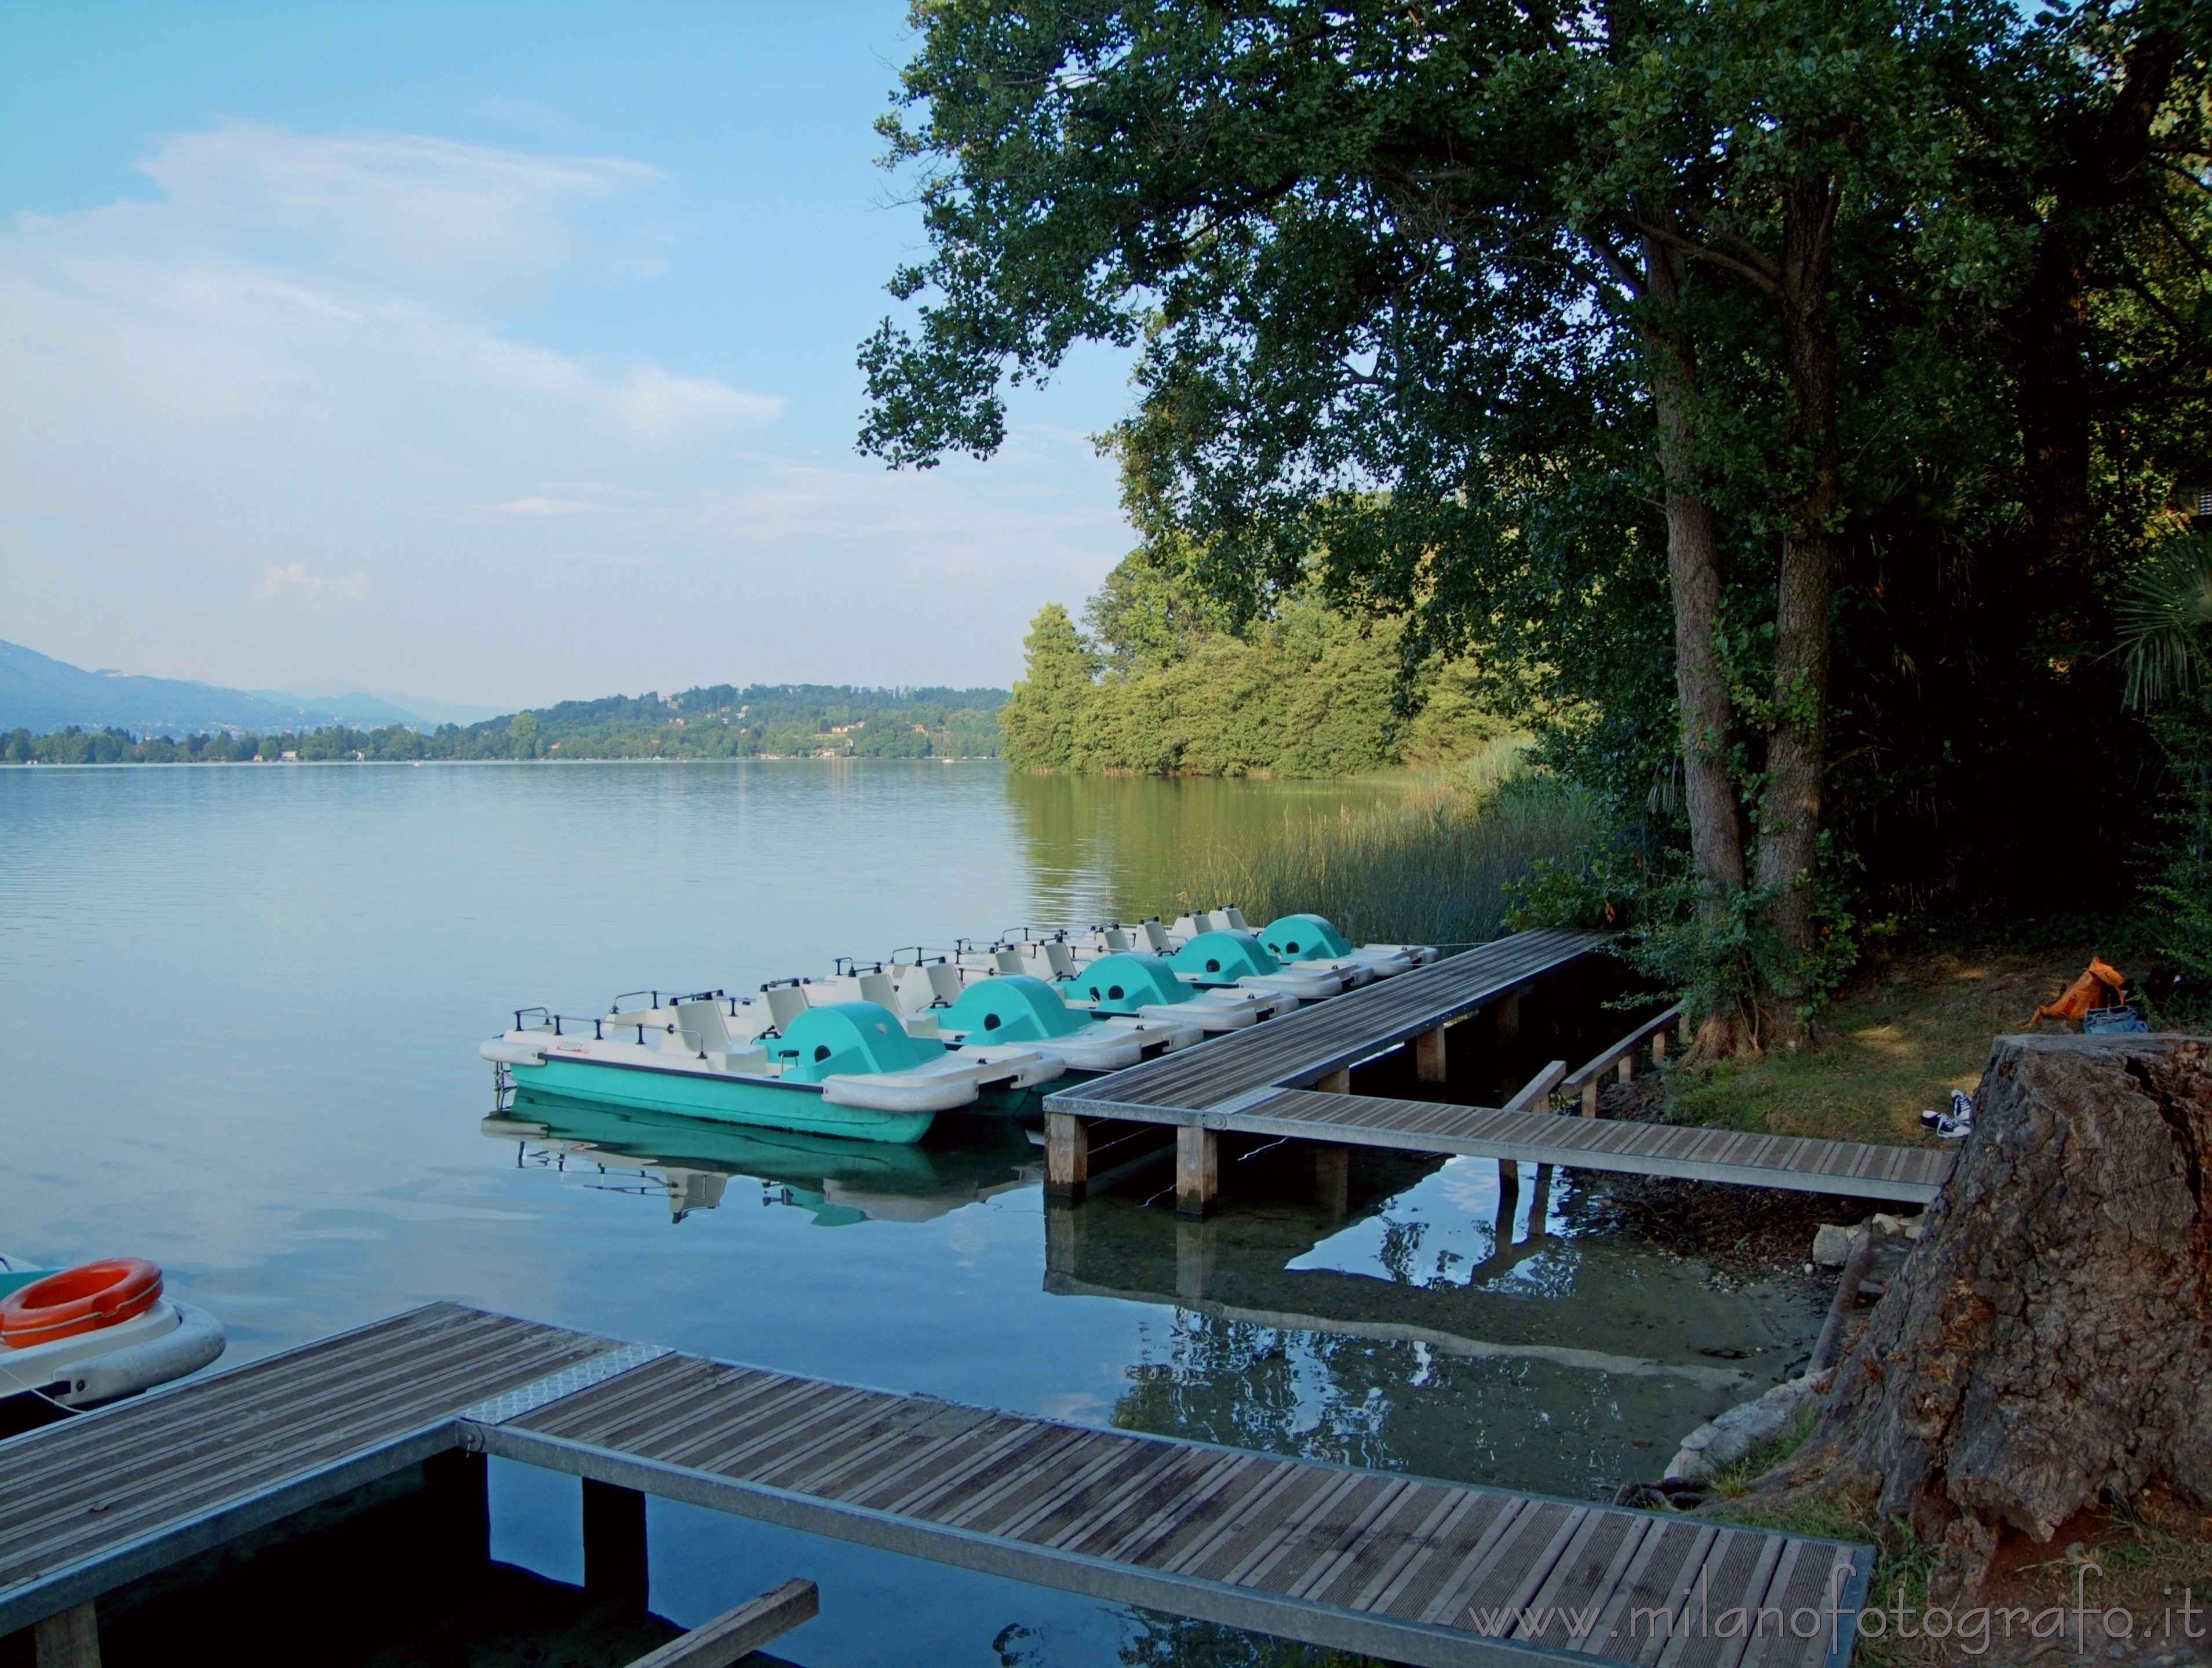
(848, 1069)
(1018, 1007)
(1233, 959)
(1135, 983)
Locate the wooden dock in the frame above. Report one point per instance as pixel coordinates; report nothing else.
(1406, 1568)
(1290, 1078)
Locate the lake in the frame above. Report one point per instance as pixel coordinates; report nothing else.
(243, 1008)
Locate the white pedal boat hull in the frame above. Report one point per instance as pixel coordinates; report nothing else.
(168, 1341)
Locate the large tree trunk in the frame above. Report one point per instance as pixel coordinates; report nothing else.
(1790, 819)
(2050, 1340)
(1693, 577)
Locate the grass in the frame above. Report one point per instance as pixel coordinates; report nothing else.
(1900, 1037)
(1428, 868)
(1735, 1478)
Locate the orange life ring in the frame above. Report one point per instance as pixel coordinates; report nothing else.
(80, 1299)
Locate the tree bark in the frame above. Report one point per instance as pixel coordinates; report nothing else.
(1790, 820)
(1694, 586)
(2050, 1342)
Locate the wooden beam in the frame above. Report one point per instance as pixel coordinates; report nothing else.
(70, 1639)
(1620, 1057)
(614, 1541)
(1197, 1170)
(740, 1632)
(1540, 1208)
(1066, 1156)
(1429, 1057)
(1333, 1178)
(1337, 1082)
(1535, 1095)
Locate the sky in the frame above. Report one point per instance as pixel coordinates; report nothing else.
(489, 353)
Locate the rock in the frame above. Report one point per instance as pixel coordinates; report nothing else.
(1833, 1245)
(1727, 1437)
(2052, 1341)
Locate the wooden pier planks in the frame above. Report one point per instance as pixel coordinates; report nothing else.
(1856, 1170)
(91, 1502)
(1303, 1047)
(1409, 1567)
(1257, 1082)
(1412, 1568)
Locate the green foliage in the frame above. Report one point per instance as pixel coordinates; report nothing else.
(1720, 954)
(1390, 273)
(783, 720)
(2180, 895)
(1042, 718)
(2165, 620)
(1163, 685)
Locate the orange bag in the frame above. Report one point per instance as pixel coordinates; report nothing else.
(2085, 993)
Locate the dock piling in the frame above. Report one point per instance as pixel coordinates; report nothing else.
(70, 1639)
(614, 1543)
(1066, 1156)
(1336, 1082)
(460, 1483)
(1333, 1178)
(1197, 1170)
(1429, 1057)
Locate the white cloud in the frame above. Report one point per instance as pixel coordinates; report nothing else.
(293, 582)
(654, 402)
(529, 507)
(424, 213)
(296, 350)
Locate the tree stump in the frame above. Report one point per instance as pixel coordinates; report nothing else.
(2050, 1340)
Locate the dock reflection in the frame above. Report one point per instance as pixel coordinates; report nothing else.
(1442, 1323)
(839, 1182)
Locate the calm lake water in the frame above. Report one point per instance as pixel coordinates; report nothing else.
(243, 1008)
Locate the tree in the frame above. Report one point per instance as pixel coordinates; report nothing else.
(1041, 719)
(1487, 257)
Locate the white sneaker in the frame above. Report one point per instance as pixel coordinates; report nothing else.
(1948, 1128)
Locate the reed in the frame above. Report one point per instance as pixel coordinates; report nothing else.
(1428, 868)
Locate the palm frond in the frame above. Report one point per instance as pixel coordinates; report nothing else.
(2165, 620)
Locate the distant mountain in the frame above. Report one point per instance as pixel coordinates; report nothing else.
(40, 694)
(319, 699)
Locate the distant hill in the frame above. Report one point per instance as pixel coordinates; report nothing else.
(56, 713)
(39, 694)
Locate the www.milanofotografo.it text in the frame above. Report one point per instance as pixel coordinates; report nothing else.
(1969, 1630)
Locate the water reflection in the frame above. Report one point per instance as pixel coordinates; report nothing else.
(1452, 1316)
(1452, 1327)
(1125, 846)
(839, 1183)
